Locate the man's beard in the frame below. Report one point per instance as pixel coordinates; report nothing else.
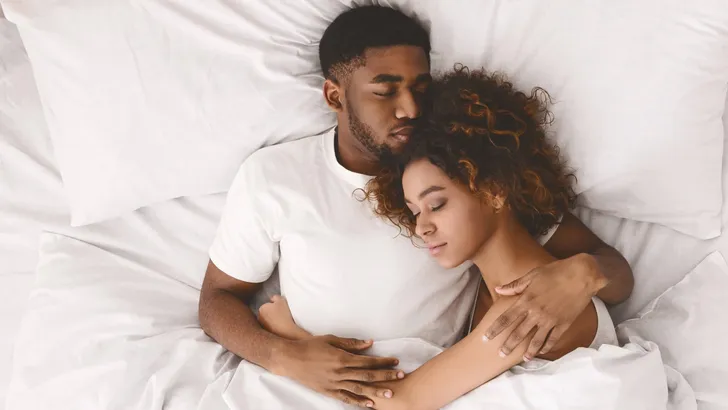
(365, 135)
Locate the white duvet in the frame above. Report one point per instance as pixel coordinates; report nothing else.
(629, 377)
(113, 325)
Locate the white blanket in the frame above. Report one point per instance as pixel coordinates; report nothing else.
(629, 377)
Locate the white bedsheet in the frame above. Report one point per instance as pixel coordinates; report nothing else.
(112, 321)
(632, 377)
(30, 189)
(113, 318)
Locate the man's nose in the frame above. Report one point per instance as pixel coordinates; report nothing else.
(408, 106)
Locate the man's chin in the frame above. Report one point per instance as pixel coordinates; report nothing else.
(396, 147)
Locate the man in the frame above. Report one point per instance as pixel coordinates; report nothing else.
(345, 272)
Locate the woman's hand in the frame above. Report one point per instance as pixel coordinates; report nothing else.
(550, 298)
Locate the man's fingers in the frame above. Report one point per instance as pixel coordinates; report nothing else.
(517, 336)
(348, 344)
(554, 338)
(365, 390)
(537, 342)
(370, 375)
(369, 362)
(515, 287)
(352, 399)
(508, 317)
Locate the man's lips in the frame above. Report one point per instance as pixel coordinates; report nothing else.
(403, 134)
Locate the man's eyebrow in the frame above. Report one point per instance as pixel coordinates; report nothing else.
(387, 78)
(423, 78)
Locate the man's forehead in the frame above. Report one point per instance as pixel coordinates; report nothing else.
(406, 62)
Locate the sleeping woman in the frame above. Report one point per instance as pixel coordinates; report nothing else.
(478, 182)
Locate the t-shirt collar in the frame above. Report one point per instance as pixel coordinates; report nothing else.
(329, 144)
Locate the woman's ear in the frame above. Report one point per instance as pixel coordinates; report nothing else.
(494, 197)
(498, 202)
(333, 95)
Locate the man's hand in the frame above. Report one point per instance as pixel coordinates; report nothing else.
(551, 298)
(328, 365)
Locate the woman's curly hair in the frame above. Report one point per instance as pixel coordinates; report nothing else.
(491, 138)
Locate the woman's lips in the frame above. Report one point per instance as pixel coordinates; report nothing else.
(436, 249)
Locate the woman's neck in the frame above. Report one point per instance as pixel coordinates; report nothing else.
(510, 253)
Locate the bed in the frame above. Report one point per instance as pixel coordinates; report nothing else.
(109, 309)
(30, 190)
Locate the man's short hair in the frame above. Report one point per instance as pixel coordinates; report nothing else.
(344, 42)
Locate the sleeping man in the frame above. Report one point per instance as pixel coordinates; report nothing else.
(347, 273)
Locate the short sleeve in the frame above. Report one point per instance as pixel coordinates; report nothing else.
(243, 247)
(543, 239)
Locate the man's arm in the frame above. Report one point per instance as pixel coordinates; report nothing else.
(551, 296)
(574, 239)
(325, 364)
(226, 317)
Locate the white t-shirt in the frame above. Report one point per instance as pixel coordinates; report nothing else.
(344, 270)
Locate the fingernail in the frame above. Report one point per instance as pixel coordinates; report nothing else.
(400, 375)
(388, 394)
(502, 354)
(485, 338)
(396, 362)
(543, 351)
(526, 359)
(370, 404)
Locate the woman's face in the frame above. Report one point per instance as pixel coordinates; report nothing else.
(453, 222)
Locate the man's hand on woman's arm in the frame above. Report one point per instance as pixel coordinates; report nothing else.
(552, 296)
(326, 364)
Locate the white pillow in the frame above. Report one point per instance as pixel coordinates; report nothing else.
(165, 99)
(688, 323)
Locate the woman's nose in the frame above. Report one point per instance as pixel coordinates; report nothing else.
(424, 227)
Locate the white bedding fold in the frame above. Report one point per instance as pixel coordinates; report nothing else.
(610, 378)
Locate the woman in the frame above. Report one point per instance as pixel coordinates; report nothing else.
(479, 182)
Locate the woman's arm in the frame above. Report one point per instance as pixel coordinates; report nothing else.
(472, 362)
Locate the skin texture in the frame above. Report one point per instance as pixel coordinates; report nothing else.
(380, 96)
(385, 93)
(460, 226)
(377, 100)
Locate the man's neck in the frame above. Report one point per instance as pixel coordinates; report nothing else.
(510, 253)
(353, 157)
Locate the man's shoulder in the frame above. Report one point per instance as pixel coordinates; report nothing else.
(281, 164)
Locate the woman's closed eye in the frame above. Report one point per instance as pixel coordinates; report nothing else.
(438, 207)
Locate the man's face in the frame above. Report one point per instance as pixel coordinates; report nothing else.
(385, 96)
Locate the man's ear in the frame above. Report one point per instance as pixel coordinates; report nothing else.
(333, 95)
